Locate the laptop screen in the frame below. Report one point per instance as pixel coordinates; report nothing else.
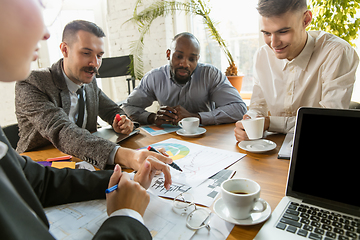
(325, 164)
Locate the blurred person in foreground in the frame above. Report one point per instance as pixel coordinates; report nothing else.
(26, 186)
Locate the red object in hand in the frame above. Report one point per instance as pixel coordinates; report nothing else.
(118, 117)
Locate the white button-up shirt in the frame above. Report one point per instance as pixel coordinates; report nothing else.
(322, 75)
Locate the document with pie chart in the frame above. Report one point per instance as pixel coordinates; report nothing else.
(197, 162)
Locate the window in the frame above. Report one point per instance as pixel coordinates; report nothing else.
(238, 25)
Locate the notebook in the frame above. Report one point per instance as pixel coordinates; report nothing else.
(322, 195)
(109, 134)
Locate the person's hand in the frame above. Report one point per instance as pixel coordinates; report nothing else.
(145, 174)
(239, 130)
(122, 125)
(165, 115)
(135, 159)
(130, 194)
(183, 113)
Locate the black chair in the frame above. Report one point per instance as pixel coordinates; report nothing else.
(354, 105)
(117, 67)
(12, 133)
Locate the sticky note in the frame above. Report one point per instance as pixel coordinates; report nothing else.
(63, 165)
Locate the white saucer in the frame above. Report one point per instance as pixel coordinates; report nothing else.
(257, 146)
(199, 131)
(255, 218)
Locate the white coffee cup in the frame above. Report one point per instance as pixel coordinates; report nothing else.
(254, 127)
(190, 124)
(240, 196)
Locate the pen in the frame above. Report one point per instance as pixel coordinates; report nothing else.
(174, 165)
(111, 189)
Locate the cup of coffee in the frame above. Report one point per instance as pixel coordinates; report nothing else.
(190, 124)
(254, 127)
(241, 196)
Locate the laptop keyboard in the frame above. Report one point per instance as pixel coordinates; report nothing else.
(315, 223)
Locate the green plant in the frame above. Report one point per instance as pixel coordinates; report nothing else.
(337, 17)
(161, 8)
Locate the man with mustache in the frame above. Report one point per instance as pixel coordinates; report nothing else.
(48, 105)
(297, 67)
(185, 88)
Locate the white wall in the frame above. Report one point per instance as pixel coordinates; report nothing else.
(121, 34)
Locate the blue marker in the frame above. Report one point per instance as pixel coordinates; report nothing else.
(111, 189)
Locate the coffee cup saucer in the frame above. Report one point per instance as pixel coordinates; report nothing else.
(257, 146)
(255, 218)
(198, 132)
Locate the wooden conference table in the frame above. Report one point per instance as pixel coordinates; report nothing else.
(264, 168)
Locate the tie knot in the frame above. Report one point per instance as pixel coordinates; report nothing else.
(80, 90)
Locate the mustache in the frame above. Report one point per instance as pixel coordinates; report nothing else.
(183, 68)
(91, 69)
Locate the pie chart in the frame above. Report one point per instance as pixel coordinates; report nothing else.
(176, 151)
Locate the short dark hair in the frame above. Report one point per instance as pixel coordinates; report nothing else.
(187, 35)
(73, 27)
(271, 8)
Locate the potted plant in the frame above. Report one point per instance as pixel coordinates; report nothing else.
(160, 8)
(337, 17)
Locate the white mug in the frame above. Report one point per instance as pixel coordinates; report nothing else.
(240, 196)
(190, 124)
(254, 127)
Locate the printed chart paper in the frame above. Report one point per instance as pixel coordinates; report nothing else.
(154, 130)
(82, 220)
(197, 162)
(204, 194)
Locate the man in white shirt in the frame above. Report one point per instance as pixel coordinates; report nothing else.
(297, 67)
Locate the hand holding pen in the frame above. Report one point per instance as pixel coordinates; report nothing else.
(129, 194)
(147, 170)
(173, 165)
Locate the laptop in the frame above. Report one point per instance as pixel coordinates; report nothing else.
(109, 134)
(323, 190)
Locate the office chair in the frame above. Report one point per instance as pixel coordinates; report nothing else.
(117, 67)
(354, 105)
(12, 134)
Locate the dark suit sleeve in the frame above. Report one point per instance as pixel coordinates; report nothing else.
(121, 227)
(24, 182)
(58, 186)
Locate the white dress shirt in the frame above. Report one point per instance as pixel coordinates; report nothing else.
(74, 107)
(322, 75)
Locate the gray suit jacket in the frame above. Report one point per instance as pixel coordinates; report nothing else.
(42, 104)
(26, 187)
